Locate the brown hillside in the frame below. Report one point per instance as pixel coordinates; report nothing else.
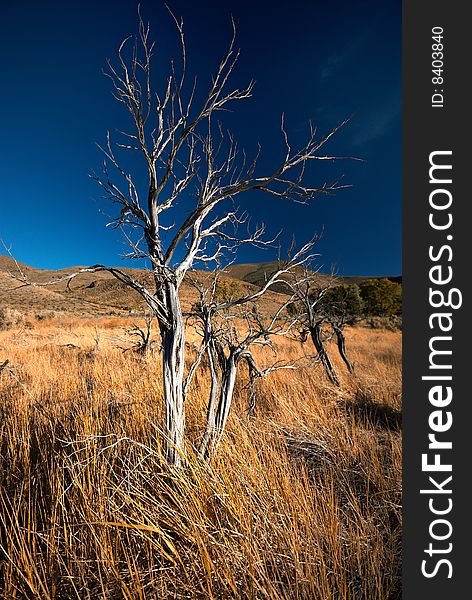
(89, 293)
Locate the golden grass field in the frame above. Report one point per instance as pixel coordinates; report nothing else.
(303, 500)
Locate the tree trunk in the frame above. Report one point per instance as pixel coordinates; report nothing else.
(222, 390)
(253, 374)
(212, 403)
(173, 363)
(315, 332)
(342, 348)
(228, 379)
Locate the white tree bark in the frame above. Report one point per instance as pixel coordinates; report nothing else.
(228, 380)
(210, 426)
(173, 365)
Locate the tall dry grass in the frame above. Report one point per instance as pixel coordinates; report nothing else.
(303, 500)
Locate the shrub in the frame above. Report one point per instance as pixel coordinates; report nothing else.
(45, 314)
(10, 317)
(343, 301)
(381, 297)
(228, 290)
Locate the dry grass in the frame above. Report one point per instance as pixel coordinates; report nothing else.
(303, 500)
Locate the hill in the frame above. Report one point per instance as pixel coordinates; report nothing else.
(258, 273)
(101, 293)
(90, 294)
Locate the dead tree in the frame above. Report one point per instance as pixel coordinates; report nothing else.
(341, 306)
(186, 153)
(229, 329)
(140, 336)
(307, 307)
(320, 319)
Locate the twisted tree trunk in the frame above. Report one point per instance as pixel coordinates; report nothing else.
(221, 397)
(173, 363)
(315, 332)
(341, 341)
(228, 380)
(212, 402)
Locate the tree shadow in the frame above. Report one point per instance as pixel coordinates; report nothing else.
(366, 411)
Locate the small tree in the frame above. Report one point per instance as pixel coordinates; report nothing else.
(229, 328)
(323, 308)
(342, 305)
(186, 154)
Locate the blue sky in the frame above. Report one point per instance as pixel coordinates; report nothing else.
(312, 60)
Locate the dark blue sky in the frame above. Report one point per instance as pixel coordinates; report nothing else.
(311, 60)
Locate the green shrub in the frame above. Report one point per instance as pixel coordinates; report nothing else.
(343, 301)
(381, 297)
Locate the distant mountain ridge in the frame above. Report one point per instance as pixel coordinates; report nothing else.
(101, 293)
(258, 273)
